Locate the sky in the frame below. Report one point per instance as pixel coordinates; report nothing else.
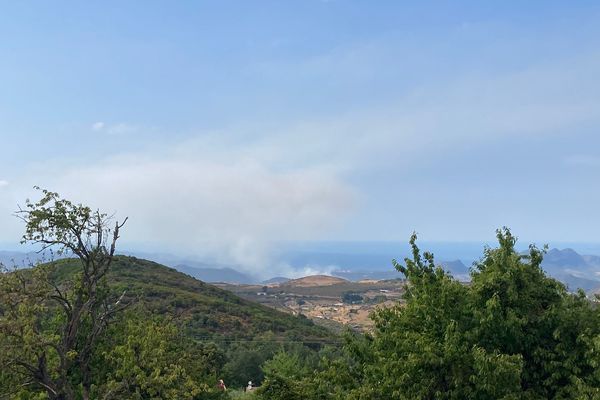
(223, 127)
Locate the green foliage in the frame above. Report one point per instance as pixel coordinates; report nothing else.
(246, 360)
(512, 333)
(285, 372)
(52, 325)
(352, 298)
(53, 221)
(62, 334)
(146, 363)
(241, 395)
(208, 312)
(280, 388)
(233, 346)
(26, 326)
(287, 365)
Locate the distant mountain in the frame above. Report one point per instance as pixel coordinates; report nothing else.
(592, 260)
(276, 280)
(203, 271)
(573, 283)
(565, 257)
(22, 259)
(457, 268)
(574, 270)
(568, 266)
(225, 275)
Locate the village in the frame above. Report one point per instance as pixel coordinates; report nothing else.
(329, 301)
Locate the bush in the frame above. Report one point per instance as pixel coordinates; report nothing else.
(352, 298)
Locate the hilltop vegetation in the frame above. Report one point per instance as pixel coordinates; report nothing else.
(201, 328)
(205, 311)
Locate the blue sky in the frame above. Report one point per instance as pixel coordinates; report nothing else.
(230, 125)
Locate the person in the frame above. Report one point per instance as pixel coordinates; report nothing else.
(249, 387)
(221, 385)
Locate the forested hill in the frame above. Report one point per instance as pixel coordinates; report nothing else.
(207, 311)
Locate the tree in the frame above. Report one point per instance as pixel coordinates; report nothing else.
(245, 359)
(506, 335)
(352, 298)
(283, 374)
(519, 310)
(512, 333)
(52, 323)
(146, 361)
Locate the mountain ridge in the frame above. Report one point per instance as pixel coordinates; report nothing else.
(207, 311)
(567, 265)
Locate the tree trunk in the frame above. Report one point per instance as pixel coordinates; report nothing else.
(86, 379)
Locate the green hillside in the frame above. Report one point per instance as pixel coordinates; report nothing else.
(208, 312)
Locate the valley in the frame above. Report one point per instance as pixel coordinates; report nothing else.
(328, 301)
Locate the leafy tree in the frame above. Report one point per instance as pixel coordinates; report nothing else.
(147, 361)
(286, 364)
(51, 326)
(352, 298)
(246, 357)
(512, 333)
(286, 375)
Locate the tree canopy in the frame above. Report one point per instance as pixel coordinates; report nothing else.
(51, 328)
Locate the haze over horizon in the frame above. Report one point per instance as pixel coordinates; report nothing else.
(221, 128)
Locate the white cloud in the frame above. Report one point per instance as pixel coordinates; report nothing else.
(3, 183)
(231, 193)
(114, 129)
(195, 200)
(553, 97)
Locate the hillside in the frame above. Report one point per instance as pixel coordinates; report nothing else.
(277, 280)
(209, 312)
